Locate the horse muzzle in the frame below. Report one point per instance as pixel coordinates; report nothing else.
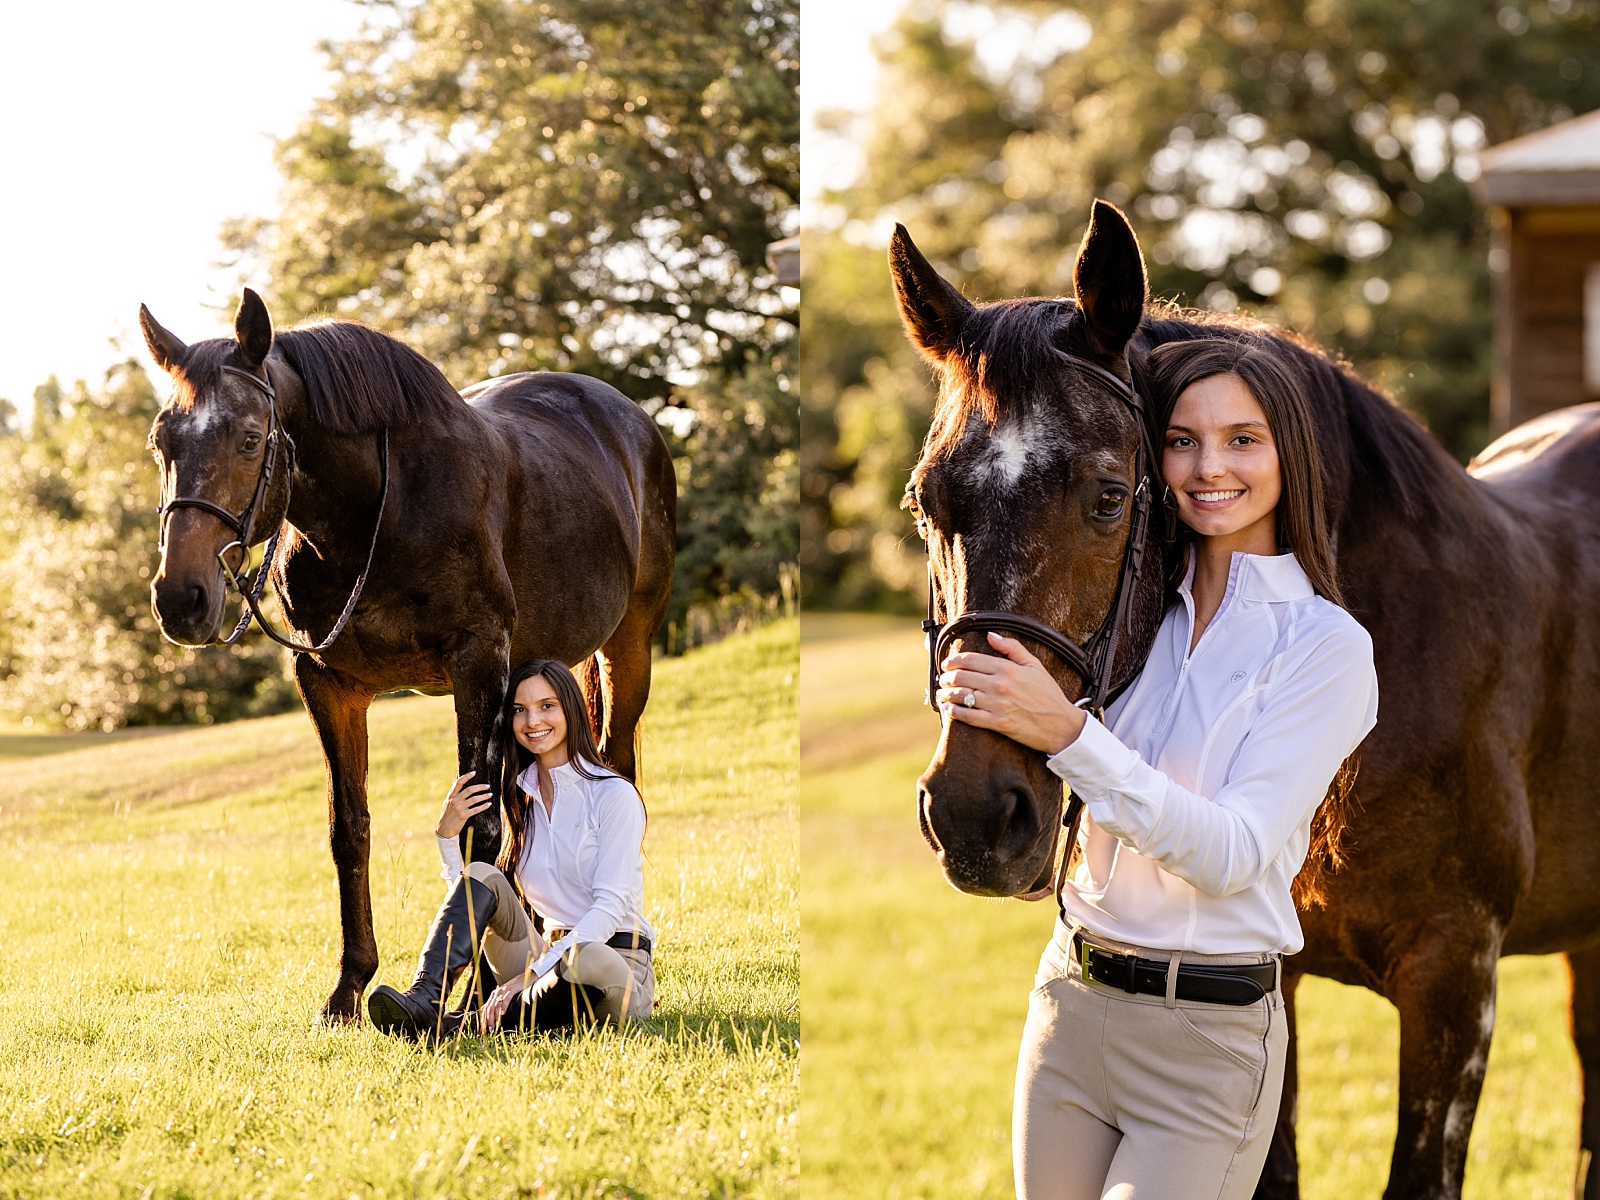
(988, 817)
(189, 611)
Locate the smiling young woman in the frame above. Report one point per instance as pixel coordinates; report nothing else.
(572, 855)
(1199, 789)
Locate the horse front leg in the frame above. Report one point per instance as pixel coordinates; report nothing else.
(1443, 983)
(1280, 1178)
(479, 672)
(339, 713)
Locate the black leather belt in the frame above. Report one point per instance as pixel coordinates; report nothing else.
(1148, 977)
(617, 941)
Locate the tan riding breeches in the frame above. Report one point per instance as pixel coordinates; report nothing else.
(512, 945)
(1122, 1096)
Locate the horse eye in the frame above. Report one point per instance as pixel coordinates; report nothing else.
(1110, 503)
(250, 443)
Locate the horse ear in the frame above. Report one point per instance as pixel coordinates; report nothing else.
(165, 347)
(932, 310)
(253, 327)
(1109, 279)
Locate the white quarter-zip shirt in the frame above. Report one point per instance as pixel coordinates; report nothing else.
(582, 864)
(1199, 795)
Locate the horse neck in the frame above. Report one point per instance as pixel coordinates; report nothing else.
(337, 481)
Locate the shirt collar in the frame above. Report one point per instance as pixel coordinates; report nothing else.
(529, 779)
(1266, 579)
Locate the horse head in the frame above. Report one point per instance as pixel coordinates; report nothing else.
(1024, 495)
(225, 465)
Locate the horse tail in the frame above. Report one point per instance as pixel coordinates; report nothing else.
(594, 674)
(1330, 825)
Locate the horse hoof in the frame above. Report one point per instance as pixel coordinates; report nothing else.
(340, 1010)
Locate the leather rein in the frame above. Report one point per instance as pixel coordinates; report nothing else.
(244, 523)
(1094, 660)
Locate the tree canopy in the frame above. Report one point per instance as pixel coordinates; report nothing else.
(1307, 161)
(584, 185)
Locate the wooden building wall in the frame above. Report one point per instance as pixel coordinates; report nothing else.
(1541, 301)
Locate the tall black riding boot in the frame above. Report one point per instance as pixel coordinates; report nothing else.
(418, 1010)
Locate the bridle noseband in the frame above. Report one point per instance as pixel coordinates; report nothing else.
(1092, 661)
(243, 524)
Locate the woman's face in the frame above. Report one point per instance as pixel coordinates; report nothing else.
(1222, 465)
(537, 721)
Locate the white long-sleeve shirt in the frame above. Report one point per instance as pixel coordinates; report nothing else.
(1199, 796)
(582, 866)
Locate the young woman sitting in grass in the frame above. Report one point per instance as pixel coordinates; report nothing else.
(573, 854)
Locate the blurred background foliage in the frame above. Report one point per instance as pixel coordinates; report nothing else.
(79, 647)
(574, 185)
(1308, 162)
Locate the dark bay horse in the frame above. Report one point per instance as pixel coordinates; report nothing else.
(535, 518)
(1475, 820)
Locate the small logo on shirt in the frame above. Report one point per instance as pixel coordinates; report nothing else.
(1237, 675)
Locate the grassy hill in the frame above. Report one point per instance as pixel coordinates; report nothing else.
(169, 920)
(915, 995)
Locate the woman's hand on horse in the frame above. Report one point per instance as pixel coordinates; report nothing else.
(1013, 695)
(464, 802)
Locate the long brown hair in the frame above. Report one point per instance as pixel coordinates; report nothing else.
(583, 754)
(1302, 526)
(1301, 513)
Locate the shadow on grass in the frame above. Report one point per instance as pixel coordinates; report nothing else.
(41, 745)
(734, 1033)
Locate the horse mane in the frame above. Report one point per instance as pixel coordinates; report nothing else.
(359, 380)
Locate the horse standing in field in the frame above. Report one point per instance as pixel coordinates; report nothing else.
(531, 516)
(1474, 830)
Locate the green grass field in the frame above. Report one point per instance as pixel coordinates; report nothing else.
(169, 925)
(914, 995)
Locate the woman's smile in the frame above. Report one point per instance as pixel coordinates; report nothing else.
(1216, 499)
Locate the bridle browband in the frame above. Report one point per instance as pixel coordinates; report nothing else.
(243, 524)
(1094, 660)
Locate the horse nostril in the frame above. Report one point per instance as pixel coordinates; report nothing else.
(199, 602)
(1016, 821)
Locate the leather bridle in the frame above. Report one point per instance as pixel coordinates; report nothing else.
(1094, 660)
(244, 523)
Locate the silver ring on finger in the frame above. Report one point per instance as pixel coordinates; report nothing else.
(971, 700)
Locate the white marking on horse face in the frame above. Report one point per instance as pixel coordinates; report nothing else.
(1004, 459)
(204, 414)
(1013, 446)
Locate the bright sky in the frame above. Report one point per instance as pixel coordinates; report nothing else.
(837, 70)
(132, 130)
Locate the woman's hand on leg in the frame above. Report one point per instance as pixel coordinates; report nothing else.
(495, 1006)
(1014, 696)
